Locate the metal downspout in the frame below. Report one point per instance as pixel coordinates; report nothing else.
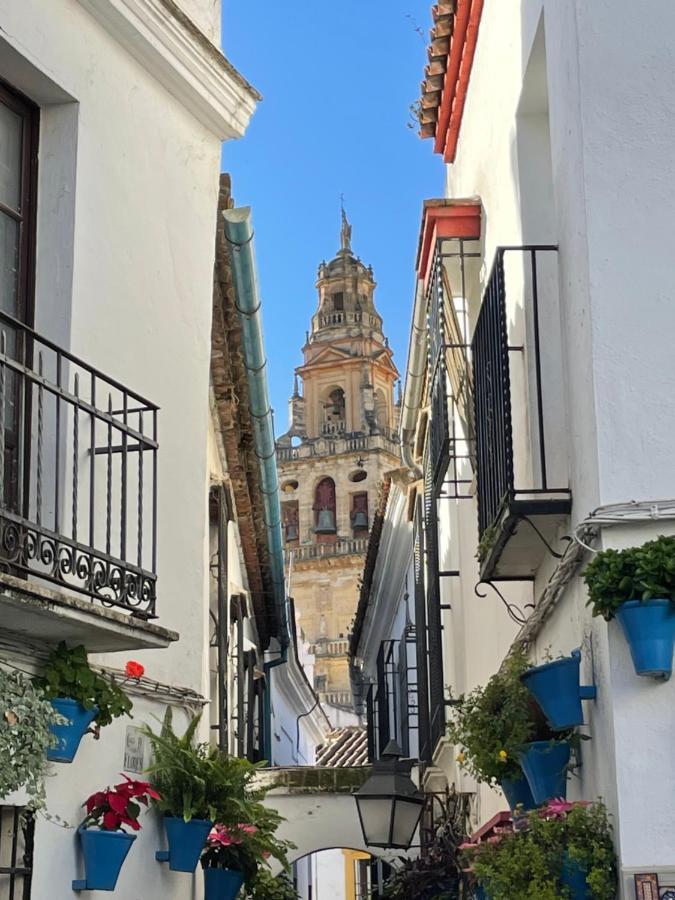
(239, 234)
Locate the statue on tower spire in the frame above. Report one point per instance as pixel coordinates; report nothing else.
(346, 230)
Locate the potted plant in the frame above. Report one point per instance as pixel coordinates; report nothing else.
(556, 687)
(236, 853)
(182, 772)
(563, 850)
(81, 696)
(27, 719)
(104, 842)
(637, 586)
(504, 738)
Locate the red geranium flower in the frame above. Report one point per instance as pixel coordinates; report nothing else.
(134, 669)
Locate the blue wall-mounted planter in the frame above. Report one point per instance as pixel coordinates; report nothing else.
(186, 841)
(517, 792)
(545, 766)
(480, 893)
(68, 736)
(222, 884)
(104, 853)
(649, 627)
(556, 688)
(573, 877)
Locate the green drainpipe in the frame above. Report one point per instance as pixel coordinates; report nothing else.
(239, 234)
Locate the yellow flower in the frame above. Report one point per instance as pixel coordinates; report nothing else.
(503, 755)
(460, 758)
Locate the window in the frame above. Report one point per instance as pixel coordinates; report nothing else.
(18, 170)
(16, 852)
(338, 302)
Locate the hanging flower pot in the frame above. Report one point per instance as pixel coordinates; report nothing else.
(573, 877)
(222, 884)
(104, 853)
(556, 688)
(186, 841)
(637, 586)
(517, 792)
(649, 627)
(480, 893)
(104, 842)
(545, 766)
(68, 735)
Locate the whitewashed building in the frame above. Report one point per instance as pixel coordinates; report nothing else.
(125, 523)
(536, 419)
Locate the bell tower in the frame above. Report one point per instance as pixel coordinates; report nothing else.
(341, 440)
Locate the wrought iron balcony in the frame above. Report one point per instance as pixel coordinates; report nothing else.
(520, 430)
(78, 475)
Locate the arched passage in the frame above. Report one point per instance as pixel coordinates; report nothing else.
(319, 810)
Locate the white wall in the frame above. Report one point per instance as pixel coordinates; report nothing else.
(128, 187)
(608, 200)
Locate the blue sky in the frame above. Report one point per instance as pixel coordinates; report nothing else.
(337, 81)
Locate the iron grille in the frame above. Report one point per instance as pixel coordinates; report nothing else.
(434, 623)
(407, 690)
(492, 390)
(439, 437)
(17, 829)
(78, 474)
(386, 697)
(424, 736)
(492, 399)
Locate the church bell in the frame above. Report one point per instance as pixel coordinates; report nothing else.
(359, 520)
(326, 522)
(291, 532)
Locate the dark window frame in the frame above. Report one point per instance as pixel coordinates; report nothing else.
(26, 216)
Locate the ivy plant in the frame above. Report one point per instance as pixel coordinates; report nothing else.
(68, 674)
(25, 717)
(528, 862)
(635, 573)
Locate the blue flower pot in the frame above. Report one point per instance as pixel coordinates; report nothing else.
(68, 736)
(480, 893)
(649, 626)
(517, 792)
(222, 884)
(186, 841)
(573, 877)
(556, 688)
(545, 766)
(104, 853)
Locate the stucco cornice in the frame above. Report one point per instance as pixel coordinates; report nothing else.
(172, 49)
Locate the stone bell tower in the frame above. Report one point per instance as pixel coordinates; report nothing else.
(342, 439)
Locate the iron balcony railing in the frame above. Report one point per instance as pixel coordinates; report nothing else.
(498, 427)
(78, 474)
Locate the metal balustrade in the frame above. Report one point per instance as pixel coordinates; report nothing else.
(78, 474)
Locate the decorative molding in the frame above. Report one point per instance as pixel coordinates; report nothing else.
(191, 68)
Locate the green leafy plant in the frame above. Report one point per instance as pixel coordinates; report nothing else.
(68, 674)
(266, 887)
(636, 573)
(491, 724)
(25, 717)
(527, 861)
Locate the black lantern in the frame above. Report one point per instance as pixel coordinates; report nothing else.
(389, 804)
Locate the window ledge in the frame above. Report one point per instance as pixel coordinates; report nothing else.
(29, 610)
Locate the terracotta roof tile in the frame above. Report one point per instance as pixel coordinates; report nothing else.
(346, 746)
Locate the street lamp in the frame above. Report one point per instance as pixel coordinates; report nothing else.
(389, 804)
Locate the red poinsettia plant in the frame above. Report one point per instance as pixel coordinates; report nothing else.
(112, 808)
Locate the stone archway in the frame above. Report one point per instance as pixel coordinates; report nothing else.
(319, 810)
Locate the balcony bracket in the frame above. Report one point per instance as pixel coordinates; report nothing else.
(567, 538)
(514, 612)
